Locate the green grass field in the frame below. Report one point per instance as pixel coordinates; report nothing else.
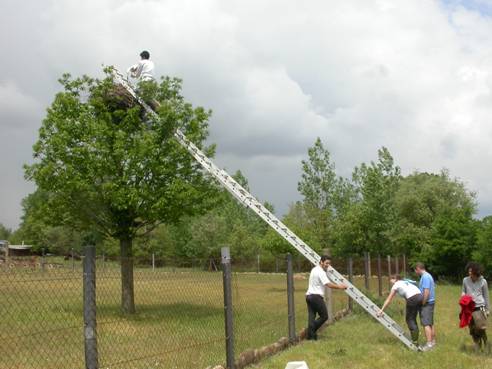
(360, 342)
(179, 321)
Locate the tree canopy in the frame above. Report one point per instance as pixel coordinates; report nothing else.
(106, 167)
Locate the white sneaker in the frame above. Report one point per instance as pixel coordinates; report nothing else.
(427, 347)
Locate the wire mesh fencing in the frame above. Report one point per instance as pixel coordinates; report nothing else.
(41, 315)
(178, 320)
(48, 319)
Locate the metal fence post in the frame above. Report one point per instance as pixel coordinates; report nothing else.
(290, 300)
(90, 332)
(153, 262)
(380, 277)
(229, 327)
(350, 272)
(389, 271)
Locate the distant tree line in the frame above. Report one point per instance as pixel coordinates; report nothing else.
(427, 216)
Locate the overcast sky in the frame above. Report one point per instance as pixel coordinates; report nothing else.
(414, 76)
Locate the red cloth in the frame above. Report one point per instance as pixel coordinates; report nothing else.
(467, 306)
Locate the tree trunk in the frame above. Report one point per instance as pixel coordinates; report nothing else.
(127, 295)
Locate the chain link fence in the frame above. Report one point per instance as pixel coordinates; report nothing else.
(51, 319)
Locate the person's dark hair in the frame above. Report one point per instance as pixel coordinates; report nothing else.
(476, 269)
(420, 265)
(397, 277)
(324, 257)
(145, 55)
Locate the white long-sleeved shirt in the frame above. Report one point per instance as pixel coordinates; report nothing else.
(143, 70)
(317, 281)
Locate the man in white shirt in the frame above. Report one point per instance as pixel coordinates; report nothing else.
(144, 69)
(318, 281)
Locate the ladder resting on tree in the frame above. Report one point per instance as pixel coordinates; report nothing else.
(250, 201)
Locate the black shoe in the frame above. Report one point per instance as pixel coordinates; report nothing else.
(313, 337)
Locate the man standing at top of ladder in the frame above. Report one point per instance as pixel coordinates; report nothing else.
(144, 69)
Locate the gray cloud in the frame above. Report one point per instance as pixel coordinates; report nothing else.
(413, 76)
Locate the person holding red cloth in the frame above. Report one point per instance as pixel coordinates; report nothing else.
(476, 287)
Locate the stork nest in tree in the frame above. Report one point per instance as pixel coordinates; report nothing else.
(119, 98)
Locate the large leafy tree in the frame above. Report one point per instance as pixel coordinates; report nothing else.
(107, 167)
(428, 205)
(369, 216)
(324, 194)
(483, 252)
(453, 239)
(435, 221)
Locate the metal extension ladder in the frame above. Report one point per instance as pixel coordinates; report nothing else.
(250, 201)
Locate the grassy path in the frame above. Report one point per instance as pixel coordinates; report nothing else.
(358, 342)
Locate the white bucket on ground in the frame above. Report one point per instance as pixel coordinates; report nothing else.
(296, 365)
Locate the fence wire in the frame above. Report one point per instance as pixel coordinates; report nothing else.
(41, 318)
(179, 310)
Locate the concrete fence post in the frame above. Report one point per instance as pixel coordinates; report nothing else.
(290, 300)
(329, 293)
(90, 332)
(397, 265)
(329, 303)
(153, 262)
(228, 313)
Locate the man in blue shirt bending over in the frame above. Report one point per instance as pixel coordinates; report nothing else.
(427, 287)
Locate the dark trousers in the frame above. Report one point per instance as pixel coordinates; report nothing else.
(414, 304)
(316, 305)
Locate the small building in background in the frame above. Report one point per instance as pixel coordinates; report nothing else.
(19, 250)
(7, 250)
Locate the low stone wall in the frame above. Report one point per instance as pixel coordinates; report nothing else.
(253, 356)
